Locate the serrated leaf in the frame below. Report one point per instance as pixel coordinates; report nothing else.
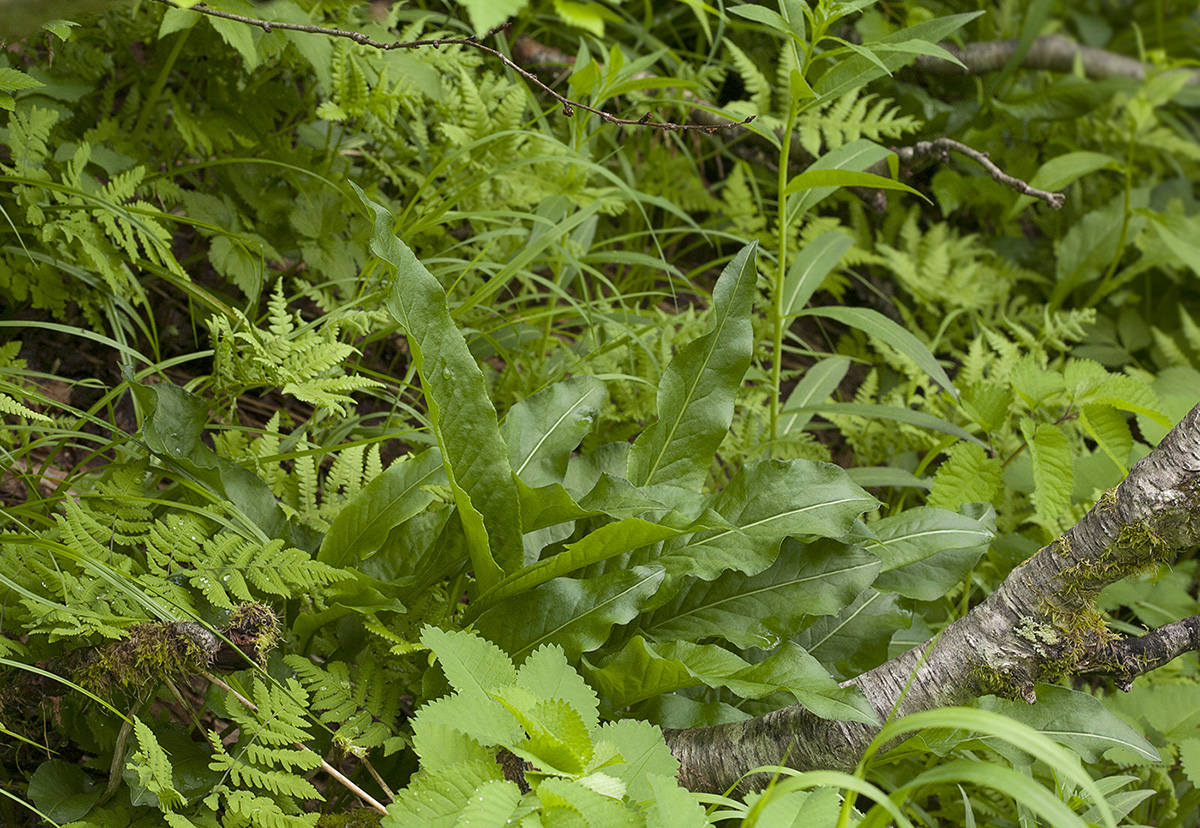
(643, 754)
(673, 806)
(875, 324)
(541, 431)
(1110, 431)
(435, 800)
(548, 675)
(557, 740)
(491, 804)
(764, 503)
(363, 523)
(765, 609)
(462, 416)
(1034, 383)
(457, 728)
(473, 666)
(699, 386)
(575, 614)
(812, 264)
(1053, 471)
(968, 475)
(987, 404)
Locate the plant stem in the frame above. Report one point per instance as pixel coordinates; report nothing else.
(156, 90)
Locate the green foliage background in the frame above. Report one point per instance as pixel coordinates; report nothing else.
(484, 431)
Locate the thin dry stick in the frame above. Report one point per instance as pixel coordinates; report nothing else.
(568, 105)
(325, 766)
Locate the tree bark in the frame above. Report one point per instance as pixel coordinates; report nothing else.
(1041, 624)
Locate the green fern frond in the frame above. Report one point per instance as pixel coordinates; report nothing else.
(753, 79)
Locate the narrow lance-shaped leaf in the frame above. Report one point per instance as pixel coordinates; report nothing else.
(811, 266)
(463, 418)
(874, 323)
(698, 388)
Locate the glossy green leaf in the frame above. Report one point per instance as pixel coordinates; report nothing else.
(608, 541)
(874, 323)
(765, 609)
(698, 388)
(814, 179)
(856, 639)
(810, 267)
(363, 524)
(927, 551)
(542, 431)
(573, 613)
(764, 503)
(1078, 721)
(462, 416)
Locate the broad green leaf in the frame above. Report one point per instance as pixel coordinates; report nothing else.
(874, 323)
(818, 382)
(968, 475)
(1076, 720)
(608, 541)
(927, 551)
(1110, 431)
(1034, 383)
(856, 639)
(462, 416)
(855, 156)
(62, 791)
(542, 431)
(487, 14)
(575, 614)
(811, 265)
(460, 728)
(173, 421)
(436, 800)
(643, 753)
(766, 502)
(557, 739)
(363, 524)
(1090, 244)
(493, 803)
(813, 179)
(548, 675)
(1053, 471)
(1066, 169)
(1179, 236)
(877, 411)
(473, 666)
(794, 670)
(240, 36)
(765, 609)
(699, 386)
(987, 404)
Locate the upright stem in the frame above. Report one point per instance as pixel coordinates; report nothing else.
(159, 82)
(781, 227)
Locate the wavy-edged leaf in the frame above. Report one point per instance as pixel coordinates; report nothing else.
(856, 639)
(608, 541)
(874, 323)
(764, 609)
(766, 502)
(926, 551)
(573, 613)
(363, 524)
(699, 386)
(462, 416)
(542, 431)
(1053, 470)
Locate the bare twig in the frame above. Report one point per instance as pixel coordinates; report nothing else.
(531, 52)
(1126, 659)
(939, 149)
(568, 105)
(325, 766)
